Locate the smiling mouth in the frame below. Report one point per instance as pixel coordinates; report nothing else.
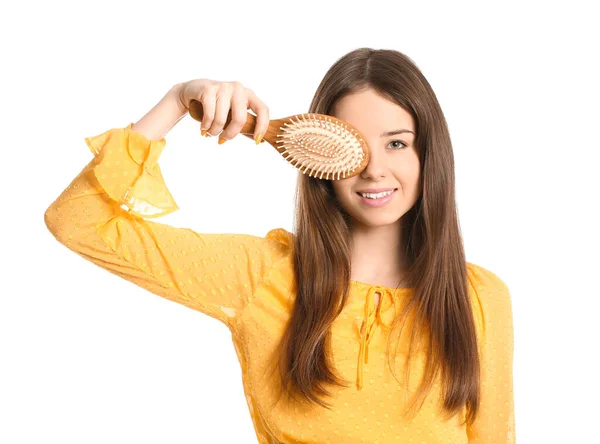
(380, 197)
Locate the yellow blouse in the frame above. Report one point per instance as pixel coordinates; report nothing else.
(247, 283)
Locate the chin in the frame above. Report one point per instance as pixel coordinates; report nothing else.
(377, 220)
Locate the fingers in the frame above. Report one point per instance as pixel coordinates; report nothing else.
(221, 110)
(221, 98)
(208, 100)
(262, 114)
(239, 114)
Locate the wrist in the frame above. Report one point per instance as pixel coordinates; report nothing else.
(176, 93)
(157, 122)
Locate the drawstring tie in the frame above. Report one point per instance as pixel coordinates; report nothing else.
(372, 317)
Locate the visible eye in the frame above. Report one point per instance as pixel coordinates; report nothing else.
(398, 147)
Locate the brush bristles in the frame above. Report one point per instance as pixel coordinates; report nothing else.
(321, 146)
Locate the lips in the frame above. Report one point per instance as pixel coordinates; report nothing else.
(382, 190)
(379, 202)
(375, 190)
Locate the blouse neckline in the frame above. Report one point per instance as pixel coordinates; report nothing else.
(391, 289)
(378, 314)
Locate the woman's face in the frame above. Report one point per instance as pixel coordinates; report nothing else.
(393, 161)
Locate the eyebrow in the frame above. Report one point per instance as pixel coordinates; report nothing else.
(398, 131)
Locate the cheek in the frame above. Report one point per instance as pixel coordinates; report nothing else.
(341, 188)
(409, 176)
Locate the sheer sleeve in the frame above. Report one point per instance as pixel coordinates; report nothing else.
(102, 216)
(495, 421)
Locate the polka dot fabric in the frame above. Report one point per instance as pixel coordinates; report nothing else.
(247, 283)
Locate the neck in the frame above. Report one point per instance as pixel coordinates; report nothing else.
(376, 254)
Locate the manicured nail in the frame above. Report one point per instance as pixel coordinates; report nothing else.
(203, 132)
(222, 140)
(258, 138)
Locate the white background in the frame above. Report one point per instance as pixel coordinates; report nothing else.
(88, 357)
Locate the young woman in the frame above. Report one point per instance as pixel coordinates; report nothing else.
(368, 319)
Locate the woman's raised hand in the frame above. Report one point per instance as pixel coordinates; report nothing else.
(217, 99)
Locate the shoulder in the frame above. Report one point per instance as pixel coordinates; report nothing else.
(266, 250)
(282, 236)
(484, 280)
(490, 297)
(281, 274)
(280, 243)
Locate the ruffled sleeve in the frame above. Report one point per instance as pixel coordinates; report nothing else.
(103, 216)
(126, 166)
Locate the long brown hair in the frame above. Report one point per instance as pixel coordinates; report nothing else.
(437, 270)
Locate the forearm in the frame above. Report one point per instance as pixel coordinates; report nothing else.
(157, 122)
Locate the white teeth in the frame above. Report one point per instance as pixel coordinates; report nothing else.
(378, 195)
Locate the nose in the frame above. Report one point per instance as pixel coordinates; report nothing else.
(376, 167)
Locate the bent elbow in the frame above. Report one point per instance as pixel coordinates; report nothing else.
(53, 221)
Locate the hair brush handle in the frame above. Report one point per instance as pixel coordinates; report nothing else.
(197, 113)
(319, 145)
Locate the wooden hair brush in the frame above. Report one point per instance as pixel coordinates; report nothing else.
(319, 145)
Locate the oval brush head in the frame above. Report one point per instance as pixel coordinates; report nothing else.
(316, 144)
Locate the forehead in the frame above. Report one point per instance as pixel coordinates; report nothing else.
(369, 112)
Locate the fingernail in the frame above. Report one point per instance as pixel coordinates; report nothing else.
(203, 132)
(222, 140)
(258, 138)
